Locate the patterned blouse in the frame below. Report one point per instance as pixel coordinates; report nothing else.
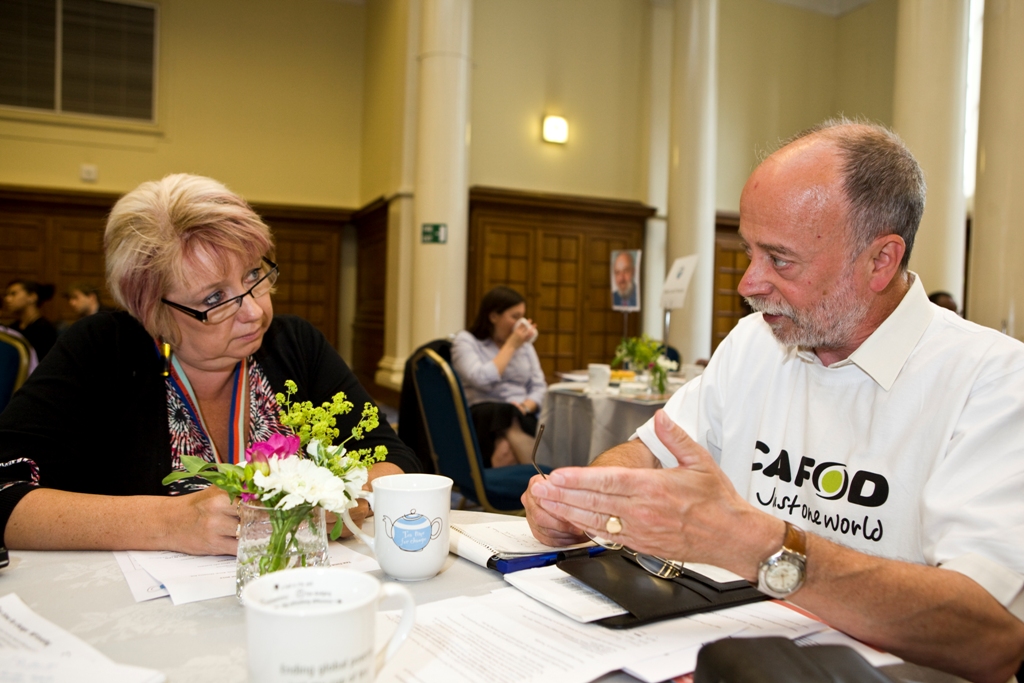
(189, 438)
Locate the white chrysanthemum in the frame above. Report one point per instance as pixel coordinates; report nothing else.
(303, 481)
(668, 365)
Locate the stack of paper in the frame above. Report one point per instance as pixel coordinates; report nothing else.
(190, 578)
(33, 649)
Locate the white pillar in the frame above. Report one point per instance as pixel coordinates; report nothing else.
(691, 193)
(997, 234)
(928, 113)
(659, 99)
(441, 195)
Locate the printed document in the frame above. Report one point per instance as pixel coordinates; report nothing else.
(191, 578)
(507, 637)
(34, 649)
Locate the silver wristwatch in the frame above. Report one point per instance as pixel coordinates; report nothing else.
(784, 573)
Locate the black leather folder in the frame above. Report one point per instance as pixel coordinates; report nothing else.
(616, 575)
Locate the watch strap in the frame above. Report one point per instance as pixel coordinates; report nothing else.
(795, 540)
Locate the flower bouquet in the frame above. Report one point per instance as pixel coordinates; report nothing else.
(287, 482)
(646, 355)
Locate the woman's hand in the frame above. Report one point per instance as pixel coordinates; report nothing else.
(527, 406)
(204, 523)
(521, 333)
(359, 513)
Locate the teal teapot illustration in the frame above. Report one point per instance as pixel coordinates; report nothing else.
(412, 532)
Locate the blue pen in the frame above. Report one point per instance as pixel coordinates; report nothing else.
(515, 564)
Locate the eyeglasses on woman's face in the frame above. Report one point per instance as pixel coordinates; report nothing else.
(262, 278)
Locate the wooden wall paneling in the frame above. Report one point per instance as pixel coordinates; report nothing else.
(308, 253)
(730, 263)
(56, 237)
(368, 325)
(567, 286)
(560, 281)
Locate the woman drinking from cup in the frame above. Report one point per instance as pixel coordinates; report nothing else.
(502, 377)
(191, 368)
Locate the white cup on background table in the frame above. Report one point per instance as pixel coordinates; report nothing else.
(599, 376)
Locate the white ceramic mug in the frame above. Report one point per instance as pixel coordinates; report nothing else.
(410, 524)
(599, 375)
(318, 625)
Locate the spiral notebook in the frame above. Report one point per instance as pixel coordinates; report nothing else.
(509, 546)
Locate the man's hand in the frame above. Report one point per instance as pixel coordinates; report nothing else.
(691, 512)
(547, 528)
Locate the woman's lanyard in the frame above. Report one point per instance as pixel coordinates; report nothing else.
(237, 418)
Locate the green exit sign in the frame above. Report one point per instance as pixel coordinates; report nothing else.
(434, 233)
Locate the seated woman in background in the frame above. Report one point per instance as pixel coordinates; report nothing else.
(501, 374)
(22, 300)
(85, 443)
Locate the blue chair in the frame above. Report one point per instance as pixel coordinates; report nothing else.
(14, 362)
(672, 353)
(453, 444)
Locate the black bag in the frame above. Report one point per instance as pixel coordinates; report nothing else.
(768, 660)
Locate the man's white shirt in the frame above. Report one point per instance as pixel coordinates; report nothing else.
(911, 449)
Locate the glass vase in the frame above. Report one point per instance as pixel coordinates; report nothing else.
(270, 540)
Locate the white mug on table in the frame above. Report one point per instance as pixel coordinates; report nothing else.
(319, 624)
(599, 375)
(410, 523)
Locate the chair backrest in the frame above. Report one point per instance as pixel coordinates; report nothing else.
(453, 444)
(14, 363)
(411, 429)
(672, 353)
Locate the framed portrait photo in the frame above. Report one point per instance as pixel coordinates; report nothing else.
(625, 279)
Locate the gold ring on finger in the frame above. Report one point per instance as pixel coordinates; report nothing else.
(613, 525)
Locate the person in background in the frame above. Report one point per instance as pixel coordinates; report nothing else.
(945, 300)
(84, 299)
(23, 301)
(87, 441)
(502, 377)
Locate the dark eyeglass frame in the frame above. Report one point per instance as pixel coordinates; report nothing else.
(203, 316)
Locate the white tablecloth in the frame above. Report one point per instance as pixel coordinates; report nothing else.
(86, 594)
(580, 427)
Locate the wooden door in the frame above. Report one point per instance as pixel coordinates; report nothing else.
(556, 251)
(730, 263)
(57, 237)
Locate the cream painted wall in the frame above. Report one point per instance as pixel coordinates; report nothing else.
(867, 61)
(265, 96)
(384, 98)
(776, 76)
(782, 69)
(582, 59)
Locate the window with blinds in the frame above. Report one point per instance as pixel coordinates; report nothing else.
(78, 56)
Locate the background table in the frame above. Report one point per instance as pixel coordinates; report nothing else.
(579, 427)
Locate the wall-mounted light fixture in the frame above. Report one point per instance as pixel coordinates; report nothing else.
(556, 129)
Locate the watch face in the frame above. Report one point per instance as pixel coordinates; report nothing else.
(782, 577)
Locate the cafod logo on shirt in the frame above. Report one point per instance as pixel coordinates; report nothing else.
(830, 481)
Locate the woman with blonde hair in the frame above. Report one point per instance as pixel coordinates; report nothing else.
(87, 440)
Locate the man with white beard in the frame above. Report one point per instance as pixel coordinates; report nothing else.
(851, 447)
